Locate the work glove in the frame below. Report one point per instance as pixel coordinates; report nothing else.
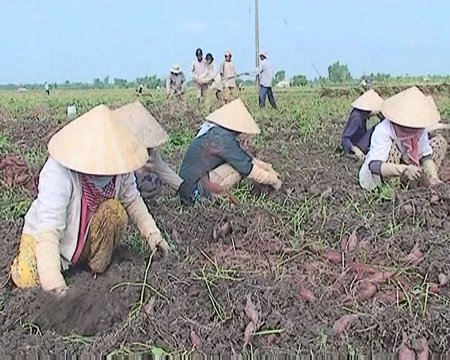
(359, 155)
(139, 215)
(411, 172)
(430, 172)
(262, 164)
(261, 176)
(48, 260)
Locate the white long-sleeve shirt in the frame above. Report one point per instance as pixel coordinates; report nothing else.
(383, 138)
(265, 73)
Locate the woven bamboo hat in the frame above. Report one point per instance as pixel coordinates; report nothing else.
(234, 116)
(411, 108)
(176, 69)
(369, 101)
(142, 124)
(96, 143)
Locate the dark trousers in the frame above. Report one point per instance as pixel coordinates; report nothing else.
(263, 92)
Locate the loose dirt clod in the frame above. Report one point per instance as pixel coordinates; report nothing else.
(443, 279)
(333, 256)
(81, 311)
(343, 325)
(424, 353)
(306, 294)
(405, 353)
(367, 291)
(380, 277)
(415, 257)
(15, 171)
(222, 229)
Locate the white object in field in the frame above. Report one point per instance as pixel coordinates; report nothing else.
(22, 90)
(284, 84)
(71, 111)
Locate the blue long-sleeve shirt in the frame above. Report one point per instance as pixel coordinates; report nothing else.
(355, 129)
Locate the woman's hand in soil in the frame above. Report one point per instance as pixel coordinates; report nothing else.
(155, 240)
(412, 172)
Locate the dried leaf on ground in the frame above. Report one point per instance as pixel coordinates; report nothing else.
(222, 229)
(251, 310)
(196, 340)
(249, 331)
(306, 294)
(149, 307)
(415, 257)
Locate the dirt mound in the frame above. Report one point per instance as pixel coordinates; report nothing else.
(384, 90)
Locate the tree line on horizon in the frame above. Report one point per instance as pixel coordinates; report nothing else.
(338, 74)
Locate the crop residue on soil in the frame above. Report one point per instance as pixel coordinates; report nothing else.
(319, 266)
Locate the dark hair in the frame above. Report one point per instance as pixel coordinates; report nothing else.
(209, 56)
(198, 51)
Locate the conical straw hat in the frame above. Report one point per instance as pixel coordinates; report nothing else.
(234, 116)
(142, 124)
(97, 143)
(369, 101)
(411, 108)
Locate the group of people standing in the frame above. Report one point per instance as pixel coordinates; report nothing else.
(218, 82)
(401, 145)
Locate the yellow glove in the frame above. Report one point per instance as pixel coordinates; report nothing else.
(359, 155)
(139, 215)
(430, 172)
(262, 176)
(262, 164)
(411, 172)
(49, 261)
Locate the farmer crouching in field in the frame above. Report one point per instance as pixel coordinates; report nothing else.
(400, 146)
(87, 192)
(175, 86)
(356, 138)
(151, 177)
(215, 161)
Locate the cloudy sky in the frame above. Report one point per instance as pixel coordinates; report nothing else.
(58, 40)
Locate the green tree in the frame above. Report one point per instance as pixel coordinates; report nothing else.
(339, 73)
(299, 80)
(122, 83)
(279, 76)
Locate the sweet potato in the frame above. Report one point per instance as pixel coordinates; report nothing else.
(333, 256)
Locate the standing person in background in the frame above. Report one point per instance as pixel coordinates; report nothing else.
(199, 72)
(265, 75)
(47, 88)
(229, 74)
(214, 80)
(175, 87)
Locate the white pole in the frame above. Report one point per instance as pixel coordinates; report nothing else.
(257, 36)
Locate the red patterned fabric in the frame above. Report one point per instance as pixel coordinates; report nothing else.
(410, 138)
(91, 198)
